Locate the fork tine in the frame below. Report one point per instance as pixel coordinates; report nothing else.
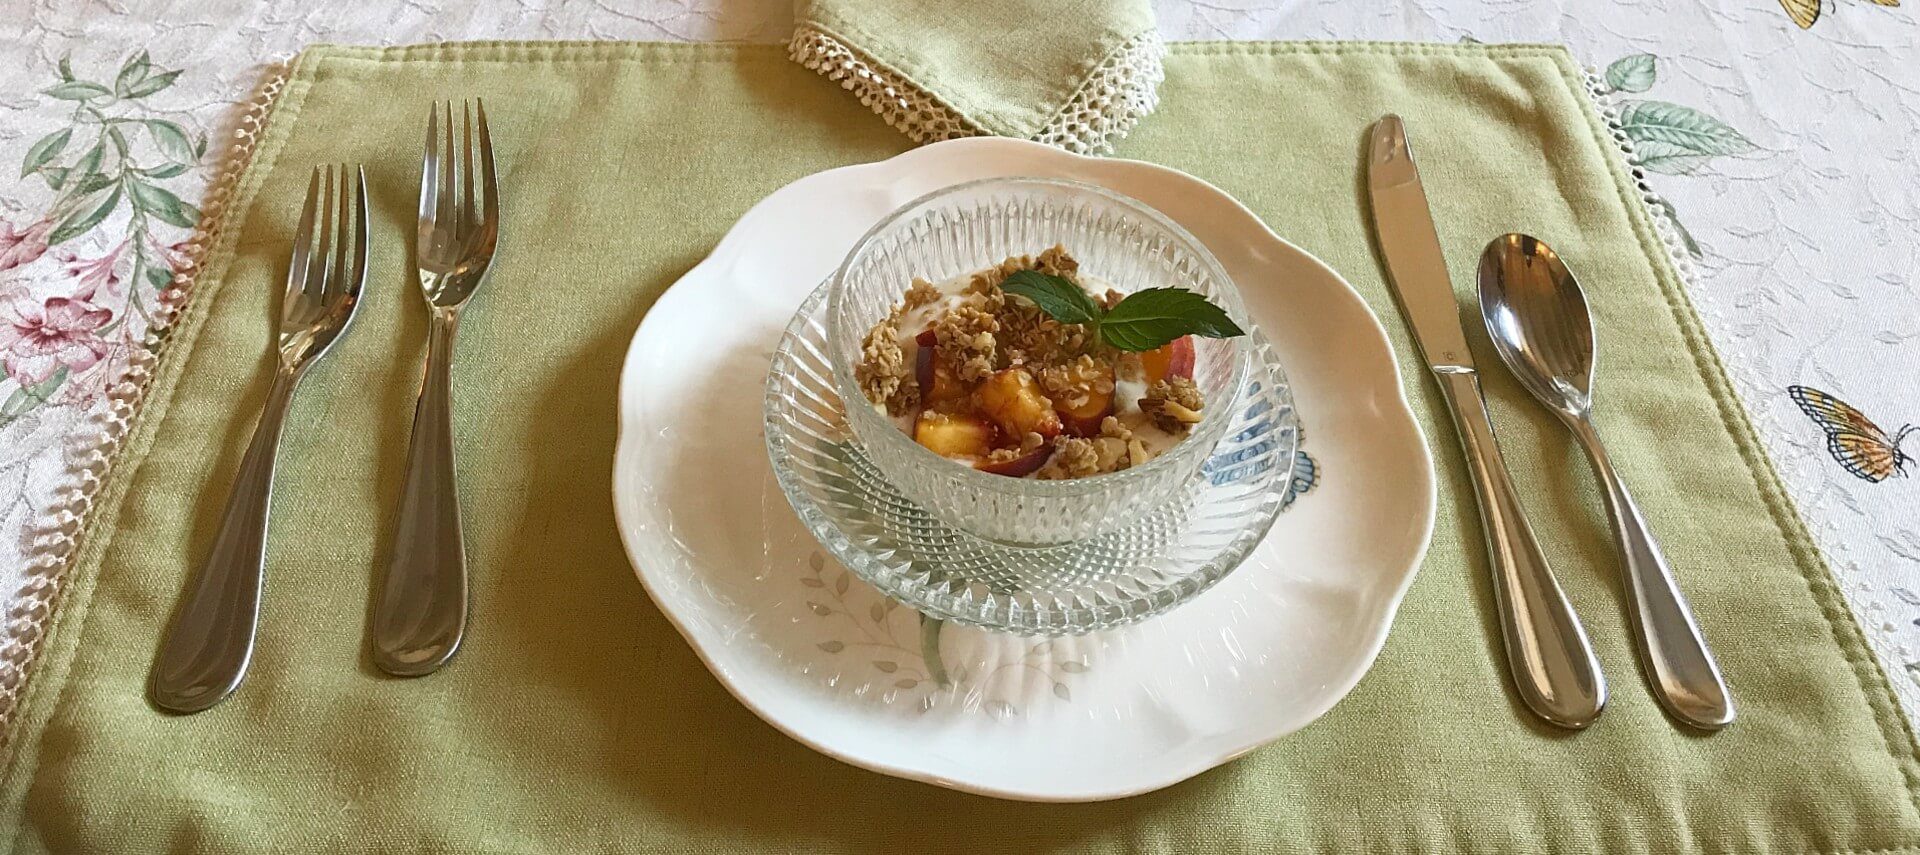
(429, 178)
(320, 269)
(302, 241)
(467, 217)
(449, 178)
(337, 278)
(491, 214)
(359, 276)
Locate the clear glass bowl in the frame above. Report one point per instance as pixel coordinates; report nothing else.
(968, 227)
(1190, 537)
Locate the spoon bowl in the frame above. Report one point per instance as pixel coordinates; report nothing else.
(1537, 317)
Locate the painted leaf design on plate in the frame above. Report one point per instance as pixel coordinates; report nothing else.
(1667, 135)
(1632, 73)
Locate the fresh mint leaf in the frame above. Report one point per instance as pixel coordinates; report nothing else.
(1148, 319)
(1064, 301)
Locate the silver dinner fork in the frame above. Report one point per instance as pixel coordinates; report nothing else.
(205, 652)
(420, 612)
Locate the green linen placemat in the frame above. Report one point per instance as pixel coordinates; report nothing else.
(577, 720)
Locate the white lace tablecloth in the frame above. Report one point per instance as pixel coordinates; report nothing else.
(1787, 154)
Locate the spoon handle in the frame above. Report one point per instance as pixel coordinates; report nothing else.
(1685, 678)
(1553, 665)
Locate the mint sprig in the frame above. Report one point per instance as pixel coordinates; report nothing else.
(1142, 321)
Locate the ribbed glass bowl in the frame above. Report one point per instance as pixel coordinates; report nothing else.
(1190, 536)
(967, 227)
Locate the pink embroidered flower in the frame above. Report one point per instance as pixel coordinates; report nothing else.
(38, 339)
(177, 256)
(22, 247)
(93, 275)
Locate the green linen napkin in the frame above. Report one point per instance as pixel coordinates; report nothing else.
(1072, 73)
(576, 719)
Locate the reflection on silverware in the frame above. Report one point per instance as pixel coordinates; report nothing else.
(1553, 666)
(1537, 316)
(204, 655)
(420, 611)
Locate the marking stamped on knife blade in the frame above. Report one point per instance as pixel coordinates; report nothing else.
(1416, 269)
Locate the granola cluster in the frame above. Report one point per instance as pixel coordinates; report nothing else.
(1011, 389)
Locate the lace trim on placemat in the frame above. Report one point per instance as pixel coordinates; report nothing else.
(1659, 210)
(56, 538)
(1120, 91)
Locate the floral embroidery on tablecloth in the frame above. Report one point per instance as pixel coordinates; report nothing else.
(66, 342)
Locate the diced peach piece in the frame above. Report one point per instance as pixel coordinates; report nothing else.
(1173, 359)
(938, 386)
(1084, 420)
(1012, 398)
(954, 436)
(1025, 464)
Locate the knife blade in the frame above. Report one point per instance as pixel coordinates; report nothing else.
(1554, 669)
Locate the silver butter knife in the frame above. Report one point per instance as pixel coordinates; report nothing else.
(1553, 665)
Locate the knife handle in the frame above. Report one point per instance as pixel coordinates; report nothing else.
(1553, 665)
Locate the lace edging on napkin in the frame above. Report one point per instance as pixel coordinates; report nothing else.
(1115, 96)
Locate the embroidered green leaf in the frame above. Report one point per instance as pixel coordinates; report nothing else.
(92, 182)
(66, 70)
(54, 176)
(199, 146)
(171, 140)
(80, 222)
(48, 148)
(76, 90)
(1062, 300)
(151, 85)
(90, 162)
(1632, 73)
(1684, 129)
(1148, 319)
(162, 204)
(1060, 691)
(159, 276)
(134, 71)
(1667, 158)
(26, 398)
(167, 170)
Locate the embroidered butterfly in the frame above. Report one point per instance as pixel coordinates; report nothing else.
(1805, 12)
(1852, 438)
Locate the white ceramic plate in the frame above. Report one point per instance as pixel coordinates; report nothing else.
(834, 664)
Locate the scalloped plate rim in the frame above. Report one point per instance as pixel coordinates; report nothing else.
(765, 213)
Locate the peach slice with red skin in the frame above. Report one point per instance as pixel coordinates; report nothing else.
(955, 435)
(1025, 464)
(1173, 359)
(938, 386)
(1084, 420)
(1012, 398)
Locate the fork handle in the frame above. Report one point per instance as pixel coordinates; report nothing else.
(205, 652)
(420, 612)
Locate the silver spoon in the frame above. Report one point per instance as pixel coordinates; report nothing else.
(1537, 317)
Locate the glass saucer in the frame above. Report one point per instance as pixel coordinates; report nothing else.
(1166, 557)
